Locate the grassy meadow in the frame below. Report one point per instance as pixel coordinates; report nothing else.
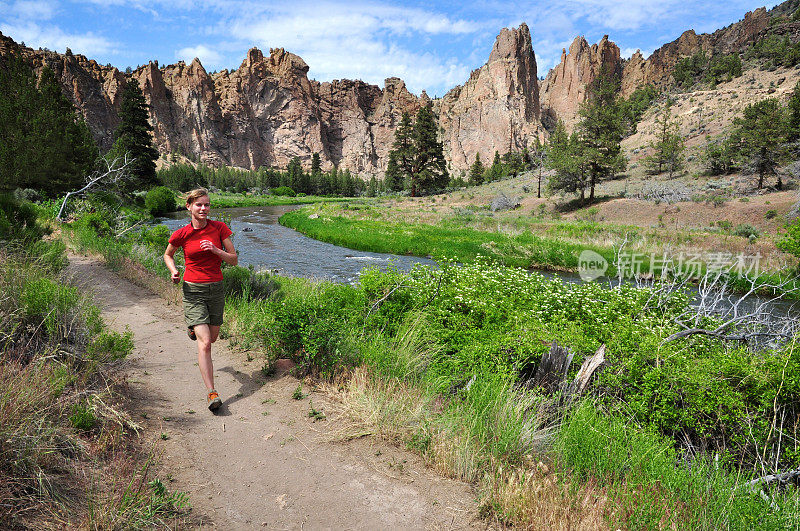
(668, 434)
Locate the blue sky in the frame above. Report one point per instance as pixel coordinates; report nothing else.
(431, 45)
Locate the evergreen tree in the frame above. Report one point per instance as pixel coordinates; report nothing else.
(567, 156)
(793, 109)
(403, 146)
(393, 179)
(476, 171)
(134, 136)
(294, 174)
(496, 170)
(44, 145)
(429, 168)
(762, 130)
(601, 130)
(668, 147)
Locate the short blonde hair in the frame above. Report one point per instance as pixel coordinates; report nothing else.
(194, 195)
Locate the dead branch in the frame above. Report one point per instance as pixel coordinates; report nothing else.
(115, 170)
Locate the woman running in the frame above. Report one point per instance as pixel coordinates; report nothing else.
(206, 243)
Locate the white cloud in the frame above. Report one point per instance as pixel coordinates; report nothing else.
(627, 53)
(52, 37)
(32, 10)
(344, 40)
(211, 59)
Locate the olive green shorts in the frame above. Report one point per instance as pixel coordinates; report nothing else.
(203, 303)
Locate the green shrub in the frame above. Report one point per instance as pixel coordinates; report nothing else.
(82, 417)
(284, 191)
(249, 285)
(745, 230)
(160, 200)
(770, 214)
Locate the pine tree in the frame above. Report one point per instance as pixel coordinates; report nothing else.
(134, 135)
(294, 174)
(793, 108)
(496, 170)
(429, 168)
(762, 130)
(476, 171)
(403, 146)
(393, 179)
(44, 145)
(668, 147)
(601, 130)
(567, 156)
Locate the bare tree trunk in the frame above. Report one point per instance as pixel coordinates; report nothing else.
(115, 170)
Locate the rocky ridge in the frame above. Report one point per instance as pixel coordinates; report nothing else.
(268, 111)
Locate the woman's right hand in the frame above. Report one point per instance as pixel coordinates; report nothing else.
(176, 277)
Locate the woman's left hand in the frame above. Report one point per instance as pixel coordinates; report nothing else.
(206, 245)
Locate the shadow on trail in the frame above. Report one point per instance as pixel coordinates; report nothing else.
(249, 384)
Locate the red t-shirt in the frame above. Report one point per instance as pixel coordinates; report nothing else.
(201, 266)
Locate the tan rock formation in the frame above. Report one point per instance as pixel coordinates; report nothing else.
(565, 87)
(657, 69)
(497, 109)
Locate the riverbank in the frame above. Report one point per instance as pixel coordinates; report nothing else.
(533, 243)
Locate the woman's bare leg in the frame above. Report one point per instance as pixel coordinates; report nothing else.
(205, 336)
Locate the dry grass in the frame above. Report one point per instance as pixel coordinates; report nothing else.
(526, 496)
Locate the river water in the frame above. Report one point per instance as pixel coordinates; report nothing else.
(266, 245)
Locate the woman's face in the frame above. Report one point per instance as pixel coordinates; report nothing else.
(199, 209)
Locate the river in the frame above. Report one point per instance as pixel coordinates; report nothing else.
(266, 245)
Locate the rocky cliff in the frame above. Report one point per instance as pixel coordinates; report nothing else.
(497, 109)
(565, 87)
(267, 111)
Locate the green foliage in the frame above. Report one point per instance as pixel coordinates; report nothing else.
(250, 285)
(721, 156)
(18, 220)
(417, 155)
(44, 145)
(775, 50)
(688, 69)
(160, 200)
(283, 191)
(476, 171)
(637, 103)
(745, 230)
(82, 417)
(793, 111)
(723, 68)
(181, 177)
(134, 137)
(566, 154)
(762, 132)
(668, 147)
(601, 130)
(298, 393)
(790, 242)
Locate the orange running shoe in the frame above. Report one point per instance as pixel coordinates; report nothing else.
(214, 400)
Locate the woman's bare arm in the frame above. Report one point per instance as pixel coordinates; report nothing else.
(169, 260)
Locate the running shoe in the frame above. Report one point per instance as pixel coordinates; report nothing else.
(191, 334)
(214, 400)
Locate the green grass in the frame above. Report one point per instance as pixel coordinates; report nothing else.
(228, 200)
(461, 244)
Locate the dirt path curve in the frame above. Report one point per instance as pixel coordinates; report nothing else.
(261, 462)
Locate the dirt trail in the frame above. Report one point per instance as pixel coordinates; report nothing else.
(261, 462)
